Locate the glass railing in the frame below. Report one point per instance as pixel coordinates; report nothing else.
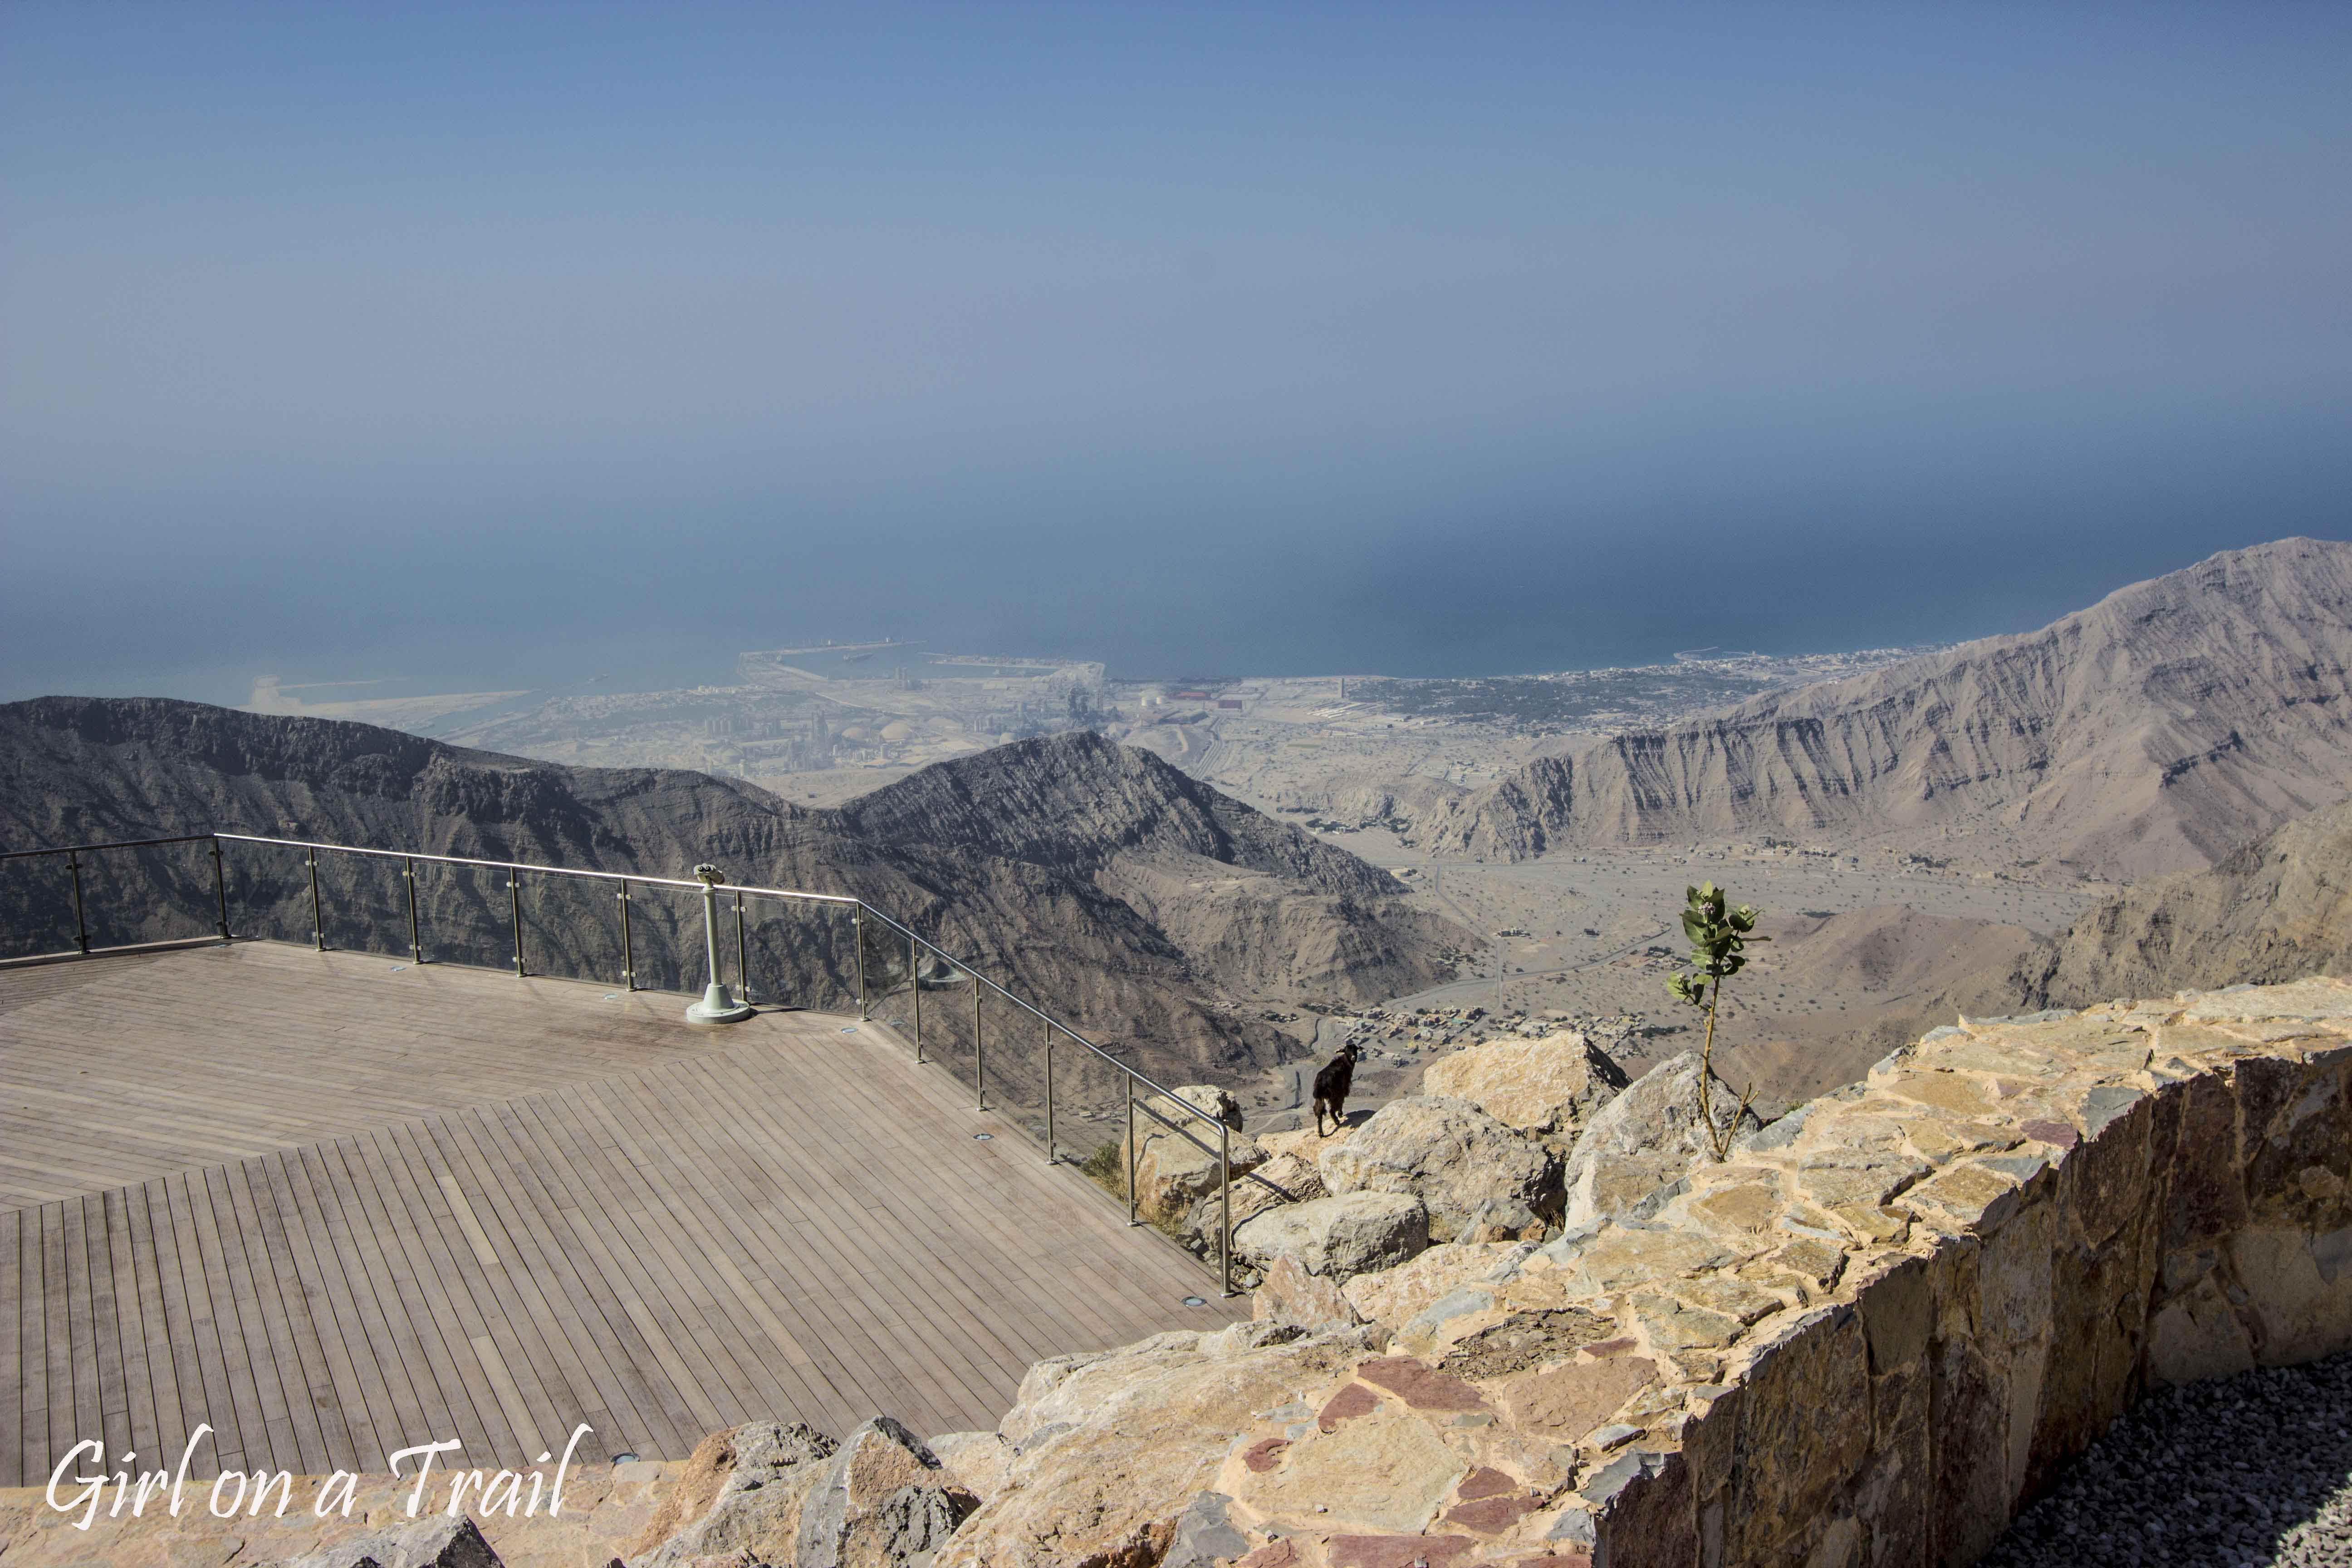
(776, 947)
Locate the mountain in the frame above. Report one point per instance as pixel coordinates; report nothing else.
(1137, 903)
(2150, 733)
(2279, 909)
(1898, 973)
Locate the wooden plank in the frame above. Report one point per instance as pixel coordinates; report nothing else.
(847, 1265)
(453, 1376)
(576, 1372)
(113, 1215)
(279, 1375)
(12, 1349)
(242, 1418)
(467, 1288)
(99, 1408)
(197, 1380)
(401, 1353)
(692, 1379)
(690, 1242)
(364, 1399)
(335, 1396)
(34, 1332)
(625, 1233)
(155, 1337)
(651, 1424)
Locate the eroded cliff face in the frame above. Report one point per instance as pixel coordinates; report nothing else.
(2150, 733)
(1123, 895)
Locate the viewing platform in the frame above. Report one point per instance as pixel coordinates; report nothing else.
(334, 1204)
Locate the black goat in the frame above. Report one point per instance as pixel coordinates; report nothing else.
(1331, 1081)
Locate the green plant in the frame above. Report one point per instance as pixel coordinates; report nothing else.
(1105, 1168)
(1718, 935)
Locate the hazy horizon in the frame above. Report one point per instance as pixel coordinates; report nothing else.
(504, 346)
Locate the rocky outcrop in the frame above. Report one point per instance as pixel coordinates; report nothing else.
(433, 1542)
(1113, 1449)
(1177, 1167)
(1551, 1086)
(741, 1491)
(1478, 1180)
(1861, 1340)
(2151, 733)
(883, 1502)
(1643, 1141)
(1338, 1238)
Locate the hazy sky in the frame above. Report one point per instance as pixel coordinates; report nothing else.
(506, 345)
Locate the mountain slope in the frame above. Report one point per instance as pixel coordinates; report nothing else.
(2278, 909)
(1015, 858)
(2150, 733)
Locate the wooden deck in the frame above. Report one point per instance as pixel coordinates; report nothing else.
(334, 1205)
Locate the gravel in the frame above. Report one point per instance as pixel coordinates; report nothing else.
(2252, 1469)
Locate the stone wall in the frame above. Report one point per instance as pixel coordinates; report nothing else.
(1866, 1338)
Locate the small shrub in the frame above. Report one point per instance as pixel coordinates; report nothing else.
(1107, 1170)
(1717, 934)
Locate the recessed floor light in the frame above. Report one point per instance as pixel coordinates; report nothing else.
(1196, 1300)
(983, 1137)
(624, 1458)
(609, 995)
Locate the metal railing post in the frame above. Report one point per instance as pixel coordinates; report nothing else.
(1050, 1157)
(318, 923)
(1225, 1206)
(415, 937)
(628, 954)
(857, 941)
(82, 922)
(915, 984)
(1131, 1219)
(979, 1052)
(220, 888)
(514, 897)
(743, 952)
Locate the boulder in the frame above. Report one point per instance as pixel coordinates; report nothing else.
(1646, 1138)
(1289, 1294)
(436, 1540)
(1338, 1238)
(1396, 1296)
(1173, 1172)
(884, 1501)
(1479, 1179)
(1298, 1177)
(973, 1460)
(1551, 1086)
(741, 1490)
(1114, 1448)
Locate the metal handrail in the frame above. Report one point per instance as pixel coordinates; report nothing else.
(859, 910)
(124, 844)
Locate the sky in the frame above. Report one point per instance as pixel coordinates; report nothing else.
(492, 346)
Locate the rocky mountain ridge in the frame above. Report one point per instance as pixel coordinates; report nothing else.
(2278, 908)
(1022, 856)
(2149, 733)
